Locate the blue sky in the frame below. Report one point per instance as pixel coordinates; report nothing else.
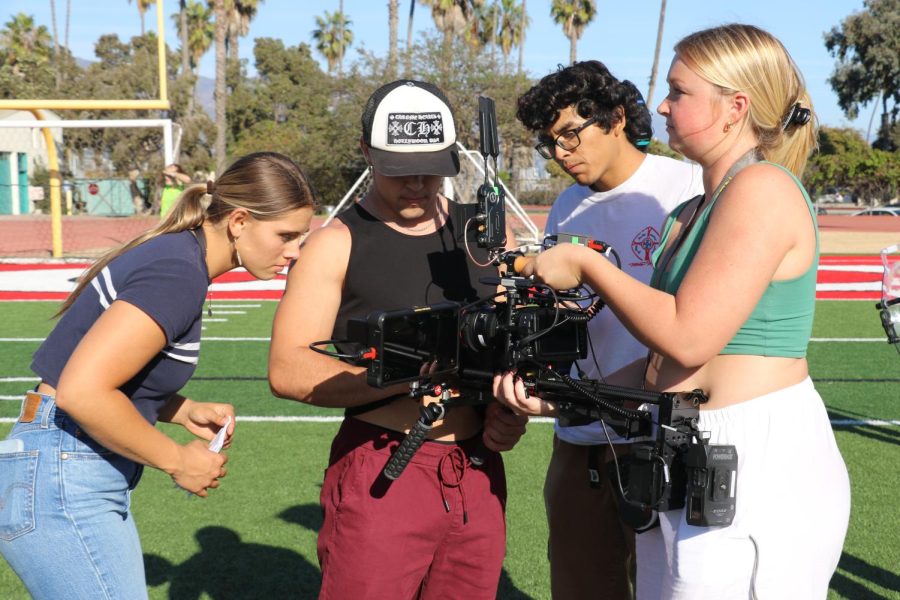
(622, 34)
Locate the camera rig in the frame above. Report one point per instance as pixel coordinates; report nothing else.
(452, 351)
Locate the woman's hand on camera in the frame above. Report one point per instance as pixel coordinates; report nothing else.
(502, 427)
(199, 469)
(560, 267)
(510, 390)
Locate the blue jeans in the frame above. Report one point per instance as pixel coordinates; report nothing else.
(65, 527)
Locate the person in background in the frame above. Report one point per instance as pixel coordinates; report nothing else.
(174, 180)
(729, 311)
(438, 530)
(597, 129)
(127, 341)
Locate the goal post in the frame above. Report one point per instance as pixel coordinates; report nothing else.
(35, 105)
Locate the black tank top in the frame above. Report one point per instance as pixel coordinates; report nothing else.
(389, 270)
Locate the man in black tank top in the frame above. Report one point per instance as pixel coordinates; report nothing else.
(438, 530)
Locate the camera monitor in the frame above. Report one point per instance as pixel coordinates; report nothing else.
(413, 342)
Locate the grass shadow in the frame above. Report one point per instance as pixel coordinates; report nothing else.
(888, 435)
(849, 588)
(227, 568)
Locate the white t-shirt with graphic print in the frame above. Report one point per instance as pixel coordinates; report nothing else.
(630, 219)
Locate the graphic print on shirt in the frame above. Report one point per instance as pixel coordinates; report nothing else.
(643, 245)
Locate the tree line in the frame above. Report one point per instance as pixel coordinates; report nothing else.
(294, 106)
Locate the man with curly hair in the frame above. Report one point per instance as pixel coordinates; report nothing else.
(597, 129)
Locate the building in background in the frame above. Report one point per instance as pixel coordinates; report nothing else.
(21, 149)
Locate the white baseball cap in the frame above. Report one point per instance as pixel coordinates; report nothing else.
(409, 129)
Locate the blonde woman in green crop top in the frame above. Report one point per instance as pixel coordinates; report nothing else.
(731, 313)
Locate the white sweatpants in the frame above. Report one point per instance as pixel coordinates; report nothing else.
(792, 510)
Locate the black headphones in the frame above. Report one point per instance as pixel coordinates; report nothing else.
(645, 133)
(796, 116)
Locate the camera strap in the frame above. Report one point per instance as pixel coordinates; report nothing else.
(748, 158)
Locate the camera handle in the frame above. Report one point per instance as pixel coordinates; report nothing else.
(428, 414)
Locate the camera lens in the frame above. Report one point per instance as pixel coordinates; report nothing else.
(478, 329)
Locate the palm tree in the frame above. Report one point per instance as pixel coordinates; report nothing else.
(574, 16)
(409, 37)
(20, 37)
(197, 31)
(451, 17)
(659, 35)
(182, 27)
(393, 23)
(513, 21)
(68, 14)
(57, 69)
(333, 37)
(482, 29)
(240, 13)
(221, 26)
(142, 6)
(523, 25)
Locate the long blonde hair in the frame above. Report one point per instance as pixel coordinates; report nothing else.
(267, 184)
(748, 59)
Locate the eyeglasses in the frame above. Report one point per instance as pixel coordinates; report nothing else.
(567, 140)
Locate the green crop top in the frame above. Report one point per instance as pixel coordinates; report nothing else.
(781, 322)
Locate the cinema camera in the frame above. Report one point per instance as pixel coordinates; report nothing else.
(451, 351)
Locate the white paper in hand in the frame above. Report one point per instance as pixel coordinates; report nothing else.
(215, 445)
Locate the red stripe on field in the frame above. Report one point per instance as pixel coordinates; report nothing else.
(846, 277)
(32, 296)
(41, 266)
(848, 295)
(245, 295)
(824, 276)
(240, 276)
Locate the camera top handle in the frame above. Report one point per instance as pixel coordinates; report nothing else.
(491, 203)
(487, 127)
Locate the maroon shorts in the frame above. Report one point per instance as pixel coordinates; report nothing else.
(437, 531)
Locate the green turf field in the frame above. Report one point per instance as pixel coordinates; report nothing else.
(255, 536)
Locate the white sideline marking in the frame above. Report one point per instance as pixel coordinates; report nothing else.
(228, 305)
(848, 340)
(227, 312)
(542, 420)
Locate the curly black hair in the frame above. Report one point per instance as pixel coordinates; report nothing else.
(592, 90)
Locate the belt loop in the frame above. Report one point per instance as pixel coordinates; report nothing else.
(48, 404)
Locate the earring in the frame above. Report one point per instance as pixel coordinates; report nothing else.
(728, 127)
(237, 254)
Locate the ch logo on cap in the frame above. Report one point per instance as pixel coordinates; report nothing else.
(415, 128)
